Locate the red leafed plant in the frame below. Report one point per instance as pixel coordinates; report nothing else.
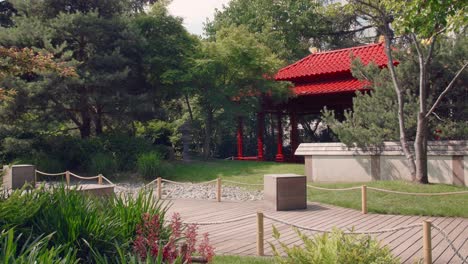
(178, 248)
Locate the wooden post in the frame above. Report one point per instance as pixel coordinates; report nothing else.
(364, 199)
(260, 249)
(100, 179)
(67, 178)
(427, 245)
(159, 187)
(218, 189)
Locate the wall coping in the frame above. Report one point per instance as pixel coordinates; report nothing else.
(435, 148)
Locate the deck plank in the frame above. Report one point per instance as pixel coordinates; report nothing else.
(239, 238)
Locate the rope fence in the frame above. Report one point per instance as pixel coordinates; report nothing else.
(363, 189)
(100, 178)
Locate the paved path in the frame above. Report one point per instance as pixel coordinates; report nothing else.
(239, 238)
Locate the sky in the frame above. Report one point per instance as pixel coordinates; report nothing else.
(195, 12)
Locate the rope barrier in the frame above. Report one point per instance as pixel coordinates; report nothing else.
(451, 244)
(417, 194)
(387, 191)
(242, 183)
(50, 174)
(346, 232)
(221, 222)
(187, 183)
(82, 177)
(328, 189)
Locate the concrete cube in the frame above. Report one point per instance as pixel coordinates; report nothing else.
(285, 191)
(16, 176)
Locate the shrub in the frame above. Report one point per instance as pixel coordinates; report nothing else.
(14, 249)
(334, 248)
(178, 248)
(43, 162)
(103, 163)
(80, 223)
(151, 165)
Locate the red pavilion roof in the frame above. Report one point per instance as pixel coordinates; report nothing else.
(331, 86)
(332, 62)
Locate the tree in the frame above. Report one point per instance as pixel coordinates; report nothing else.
(25, 62)
(423, 22)
(127, 63)
(228, 75)
(290, 27)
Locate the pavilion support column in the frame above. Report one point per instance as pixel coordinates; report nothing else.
(294, 134)
(261, 128)
(279, 152)
(240, 138)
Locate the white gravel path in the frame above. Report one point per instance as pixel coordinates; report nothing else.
(195, 191)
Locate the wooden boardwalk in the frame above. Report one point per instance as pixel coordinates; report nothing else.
(239, 238)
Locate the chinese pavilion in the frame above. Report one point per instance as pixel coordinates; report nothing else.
(320, 79)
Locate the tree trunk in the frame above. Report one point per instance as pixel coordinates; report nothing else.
(189, 108)
(98, 121)
(420, 149)
(208, 128)
(85, 127)
(401, 106)
(420, 142)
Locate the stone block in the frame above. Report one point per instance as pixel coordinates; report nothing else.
(285, 191)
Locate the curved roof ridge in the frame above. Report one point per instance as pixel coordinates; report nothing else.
(332, 61)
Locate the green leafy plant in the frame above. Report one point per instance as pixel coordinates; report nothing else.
(104, 163)
(80, 223)
(334, 248)
(151, 165)
(16, 250)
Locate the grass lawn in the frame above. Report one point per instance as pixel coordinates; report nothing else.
(241, 260)
(241, 171)
(385, 203)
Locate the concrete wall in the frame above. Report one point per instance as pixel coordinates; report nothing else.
(334, 162)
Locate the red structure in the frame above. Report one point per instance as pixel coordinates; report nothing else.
(320, 79)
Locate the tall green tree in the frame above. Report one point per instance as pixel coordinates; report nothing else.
(290, 27)
(422, 24)
(229, 74)
(127, 63)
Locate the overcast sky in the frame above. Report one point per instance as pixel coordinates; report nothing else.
(195, 12)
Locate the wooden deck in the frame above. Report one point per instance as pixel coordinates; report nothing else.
(239, 238)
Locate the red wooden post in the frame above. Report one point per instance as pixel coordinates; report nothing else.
(260, 127)
(294, 134)
(279, 151)
(239, 138)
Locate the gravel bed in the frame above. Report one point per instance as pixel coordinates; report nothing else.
(195, 191)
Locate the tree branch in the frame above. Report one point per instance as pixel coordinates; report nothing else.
(447, 89)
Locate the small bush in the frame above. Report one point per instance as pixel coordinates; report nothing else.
(103, 163)
(79, 223)
(16, 249)
(151, 165)
(334, 248)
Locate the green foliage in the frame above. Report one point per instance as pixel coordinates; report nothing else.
(42, 161)
(78, 222)
(157, 131)
(427, 17)
(102, 163)
(289, 27)
(14, 250)
(374, 118)
(151, 165)
(336, 247)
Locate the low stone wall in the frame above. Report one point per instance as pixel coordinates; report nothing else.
(334, 162)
